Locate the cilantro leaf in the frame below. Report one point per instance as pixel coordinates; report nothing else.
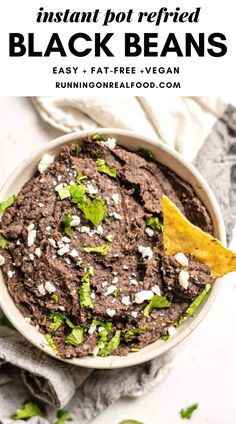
(198, 300)
(77, 150)
(80, 177)
(109, 238)
(85, 290)
(155, 224)
(29, 410)
(4, 244)
(63, 416)
(77, 192)
(103, 249)
(58, 319)
(7, 203)
(95, 210)
(156, 302)
(187, 412)
(179, 321)
(110, 346)
(146, 154)
(165, 337)
(63, 191)
(66, 221)
(97, 137)
(130, 422)
(103, 333)
(135, 331)
(50, 341)
(76, 336)
(105, 169)
(55, 298)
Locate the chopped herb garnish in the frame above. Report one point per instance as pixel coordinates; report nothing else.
(76, 336)
(130, 422)
(58, 319)
(155, 224)
(63, 416)
(80, 177)
(4, 244)
(95, 210)
(112, 345)
(77, 192)
(146, 154)
(7, 203)
(135, 331)
(116, 292)
(50, 341)
(66, 221)
(179, 321)
(197, 302)
(85, 290)
(97, 137)
(77, 150)
(63, 191)
(103, 333)
(103, 249)
(109, 238)
(28, 410)
(105, 169)
(165, 337)
(55, 298)
(187, 412)
(156, 302)
(79, 263)
(135, 349)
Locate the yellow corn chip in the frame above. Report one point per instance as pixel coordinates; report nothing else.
(182, 236)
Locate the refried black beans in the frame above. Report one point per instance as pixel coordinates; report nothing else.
(85, 261)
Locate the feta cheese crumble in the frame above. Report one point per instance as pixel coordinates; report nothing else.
(183, 279)
(75, 221)
(156, 290)
(146, 252)
(116, 198)
(110, 143)
(149, 232)
(126, 300)
(45, 162)
(143, 295)
(171, 330)
(52, 242)
(110, 290)
(92, 329)
(50, 287)
(2, 260)
(31, 235)
(181, 259)
(110, 312)
(65, 249)
(134, 314)
(91, 189)
(74, 253)
(41, 289)
(38, 252)
(10, 274)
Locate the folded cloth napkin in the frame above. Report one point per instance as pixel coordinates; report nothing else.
(203, 130)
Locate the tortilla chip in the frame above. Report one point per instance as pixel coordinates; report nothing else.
(182, 236)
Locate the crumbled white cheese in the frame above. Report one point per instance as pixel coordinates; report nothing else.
(125, 267)
(18, 242)
(183, 279)
(45, 162)
(110, 143)
(40, 205)
(41, 289)
(107, 200)
(115, 280)
(66, 239)
(74, 253)
(149, 232)
(156, 290)
(31, 235)
(143, 295)
(117, 216)
(31, 256)
(60, 244)
(99, 230)
(85, 229)
(104, 283)
(38, 252)
(10, 274)
(67, 261)
(93, 295)
(146, 252)
(28, 319)
(48, 228)
(110, 290)
(75, 221)
(181, 259)
(92, 329)
(171, 330)
(91, 189)
(52, 242)
(134, 314)
(115, 273)
(126, 300)
(111, 312)
(133, 282)
(50, 287)
(2, 260)
(65, 249)
(37, 327)
(62, 308)
(95, 351)
(116, 198)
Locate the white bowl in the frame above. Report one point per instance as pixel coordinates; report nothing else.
(166, 156)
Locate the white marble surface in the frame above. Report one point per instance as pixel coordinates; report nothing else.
(204, 369)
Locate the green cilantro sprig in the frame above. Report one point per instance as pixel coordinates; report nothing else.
(7, 203)
(28, 410)
(187, 412)
(85, 290)
(4, 244)
(62, 416)
(76, 336)
(156, 302)
(103, 249)
(103, 168)
(155, 224)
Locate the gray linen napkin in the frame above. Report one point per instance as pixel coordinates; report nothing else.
(27, 372)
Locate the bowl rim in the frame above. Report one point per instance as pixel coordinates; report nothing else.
(186, 329)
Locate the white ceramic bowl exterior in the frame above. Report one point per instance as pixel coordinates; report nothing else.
(166, 156)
